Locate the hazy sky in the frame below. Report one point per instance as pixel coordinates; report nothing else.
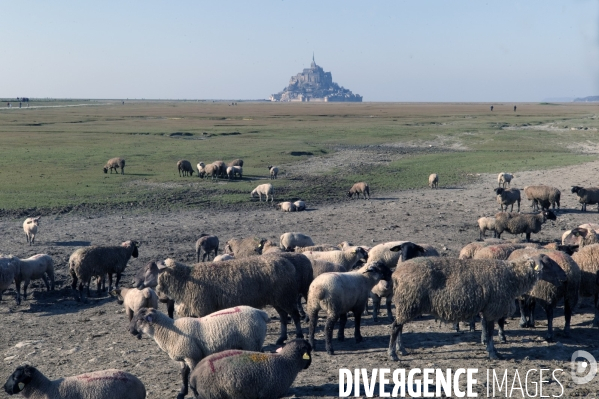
(416, 50)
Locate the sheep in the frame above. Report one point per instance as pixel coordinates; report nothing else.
(102, 384)
(500, 251)
(525, 223)
(241, 374)
(504, 178)
(236, 162)
(87, 262)
(548, 295)
(339, 293)
(300, 205)
(546, 195)
(359, 188)
(484, 224)
(506, 197)
(287, 206)
(288, 241)
(587, 259)
(322, 266)
(115, 163)
(30, 226)
(223, 257)
(347, 258)
(188, 340)
(433, 180)
(9, 267)
(244, 247)
(316, 248)
(208, 170)
(264, 189)
(580, 236)
(207, 243)
(33, 268)
(134, 299)
(256, 281)
(405, 250)
(222, 168)
(273, 171)
(468, 251)
(459, 289)
(184, 166)
(234, 171)
(588, 195)
(270, 247)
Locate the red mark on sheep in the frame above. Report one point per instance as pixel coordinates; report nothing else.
(220, 356)
(120, 376)
(235, 310)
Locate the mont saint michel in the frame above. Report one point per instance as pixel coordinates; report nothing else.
(314, 84)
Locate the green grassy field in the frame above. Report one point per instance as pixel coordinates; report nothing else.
(53, 156)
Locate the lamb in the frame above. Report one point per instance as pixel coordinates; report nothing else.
(223, 257)
(184, 166)
(322, 266)
(433, 180)
(103, 384)
(87, 262)
(339, 293)
(459, 289)
(9, 267)
(525, 223)
(33, 268)
(588, 195)
(484, 224)
(188, 340)
(359, 188)
(508, 197)
(244, 247)
(287, 206)
(504, 178)
(207, 243)
(587, 258)
(288, 241)
(236, 162)
(115, 163)
(273, 171)
(234, 171)
(134, 299)
(546, 195)
(256, 281)
(347, 258)
(300, 205)
(240, 374)
(30, 228)
(264, 189)
(548, 295)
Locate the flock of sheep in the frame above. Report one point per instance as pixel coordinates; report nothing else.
(220, 330)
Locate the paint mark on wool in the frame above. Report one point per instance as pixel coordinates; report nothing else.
(220, 356)
(235, 310)
(118, 376)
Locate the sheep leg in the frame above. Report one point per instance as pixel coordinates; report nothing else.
(45, 278)
(531, 315)
(81, 296)
(342, 323)
(395, 340)
(18, 287)
(300, 309)
(298, 323)
(388, 305)
(527, 236)
(523, 312)
(25, 285)
(376, 305)
(185, 381)
(472, 324)
(357, 319)
(484, 334)
(283, 323)
(549, 312)
(118, 280)
(567, 317)
(170, 308)
(313, 323)
(328, 329)
(493, 355)
(501, 324)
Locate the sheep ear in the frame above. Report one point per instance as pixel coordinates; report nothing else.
(149, 318)
(396, 248)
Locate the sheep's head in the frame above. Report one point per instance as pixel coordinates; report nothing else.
(299, 348)
(548, 270)
(105, 169)
(499, 190)
(19, 379)
(575, 189)
(380, 269)
(134, 244)
(142, 321)
(549, 215)
(147, 276)
(119, 298)
(408, 250)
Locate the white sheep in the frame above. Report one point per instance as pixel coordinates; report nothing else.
(33, 268)
(133, 299)
(484, 224)
(300, 205)
(223, 257)
(234, 171)
(433, 180)
(288, 241)
(264, 189)
(287, 206)
(347, 258)
(30, 228)
(273, 171)
(504, 178)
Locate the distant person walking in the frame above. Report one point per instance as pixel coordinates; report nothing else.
(491, 108)
(514, 108)
(20, 104)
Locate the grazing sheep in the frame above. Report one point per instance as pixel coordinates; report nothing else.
(547, 294)
(223, 257)
(208, 170)
(236, 162)
(300, 205)
(359, 188)
(33, 268)
(115, 163)
(256, 281)
(288, 241)
(184, 166)
(134, 299)
(244, 247)
(264, 189)
(504, 178)
(587, 259)
(188, 340)
(87, 262)
(347, 258)
(484, 224)
(222, 168)
(433, 180)
(30, 228)
(587, 196)
(317, 248)
(339, 293)
(544, 195)
(207, 243)
(273, 171)
(507, 198)
(322, 266)
(234, 171)
(500, 251)
(9, 267)
(525, 223)
(287, 206)
(237, 374)
(270, 247)
(103, 384)
(455, 290)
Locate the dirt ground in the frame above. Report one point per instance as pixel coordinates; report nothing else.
(62, 337)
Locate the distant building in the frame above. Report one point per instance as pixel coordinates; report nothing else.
(315, 85)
